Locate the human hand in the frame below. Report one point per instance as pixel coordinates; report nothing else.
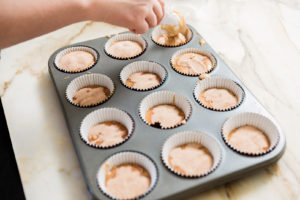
(136, 15)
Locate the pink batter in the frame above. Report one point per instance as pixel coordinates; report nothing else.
(190, 159)
(249, 139)
(75, 61)
(127, 181)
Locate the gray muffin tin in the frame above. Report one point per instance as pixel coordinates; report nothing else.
(149, 140)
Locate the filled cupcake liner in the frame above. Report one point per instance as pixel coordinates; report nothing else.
(185, 137)
(127, 157)
(143, 66)
(66, 50)
(165, 97)
(197, 51)
(218, 82)
(257, 120)
(103, 115)
(126, 36)
(157, 32)
(87, 80)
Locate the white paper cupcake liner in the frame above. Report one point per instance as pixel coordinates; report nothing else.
(143, 66)
(103, 115)
(197, 51)
(66, 50)
(185, 137)
(218, 82)
(259, 121)
(87, 80)
(126, 36)
(165, 97)
(158, 32)
(127, 157)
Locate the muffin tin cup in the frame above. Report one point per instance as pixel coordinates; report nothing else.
(87, 80)
(143, 66)
(185, 137)
(259, 121)
(165, 97)
(127, 157)
(103, 115)
(158, 32)
(126, 36)
(197, 51)
(76, 48)
(219, 82)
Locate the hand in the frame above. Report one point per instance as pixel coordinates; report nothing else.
(136, 15)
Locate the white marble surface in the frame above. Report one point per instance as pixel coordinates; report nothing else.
(260, 40)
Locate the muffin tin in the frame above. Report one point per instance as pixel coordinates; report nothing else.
(149, 140)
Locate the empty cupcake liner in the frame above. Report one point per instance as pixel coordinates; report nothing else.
(165, 97)
(66, 50)
(193, 50)
(143, 66)
(158, 32)
(122, 37)
(218, 82)
(127, 157)
(87, 80)
(103, 115)
(185, 137)
(259, 121)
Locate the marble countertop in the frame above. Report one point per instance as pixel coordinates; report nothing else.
(258, 39)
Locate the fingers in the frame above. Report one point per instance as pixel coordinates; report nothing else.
(158, 9)
(151, 19)
(162, 4)
(147, 17)
(141, 27)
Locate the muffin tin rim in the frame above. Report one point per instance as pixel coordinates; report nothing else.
(264, 161)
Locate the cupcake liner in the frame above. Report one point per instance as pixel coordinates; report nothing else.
(66, 50)
(193, 50)
(218, 82)
(86, 80)
(185, 137)
(102, 115)
(165, 97)
(143, 66)
(259, 121)
(124, 157)
(157, 32)
(126, 36)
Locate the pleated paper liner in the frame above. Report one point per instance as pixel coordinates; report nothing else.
(196, 51)
(257, 120)
(143, 66)
(69, 49)
(127, 157)
(88, 80)
(165, 97)
(157, 32)
(104, 115)
(185, 137)
(126, 37)
(219, 82)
